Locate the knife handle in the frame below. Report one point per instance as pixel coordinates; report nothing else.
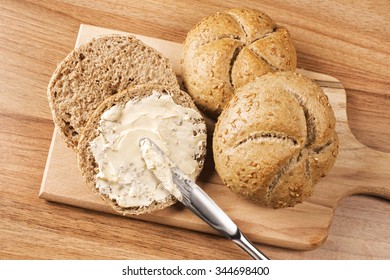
(205, 208)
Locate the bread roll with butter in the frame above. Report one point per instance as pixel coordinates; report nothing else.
(275, 139)
(109, 156)
(97, 70)
(227, 50)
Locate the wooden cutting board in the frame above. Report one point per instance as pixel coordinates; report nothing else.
(358, 170)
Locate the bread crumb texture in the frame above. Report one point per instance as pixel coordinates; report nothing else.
(227, 50)
(275, 139)
(97, 70)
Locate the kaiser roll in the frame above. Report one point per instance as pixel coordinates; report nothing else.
(227, 50)
(275, 139)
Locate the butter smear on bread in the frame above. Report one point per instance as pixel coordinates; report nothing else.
(160, 166)
(123, 175)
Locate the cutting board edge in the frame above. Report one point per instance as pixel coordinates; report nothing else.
(310, 243)
(47, 164)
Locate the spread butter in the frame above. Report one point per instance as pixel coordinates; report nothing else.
(123, 176)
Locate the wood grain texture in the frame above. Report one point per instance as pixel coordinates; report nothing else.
(347, 40)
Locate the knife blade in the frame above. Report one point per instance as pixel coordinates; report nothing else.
(193, 197)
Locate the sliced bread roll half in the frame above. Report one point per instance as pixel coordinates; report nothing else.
(108, 151)
(97, 70)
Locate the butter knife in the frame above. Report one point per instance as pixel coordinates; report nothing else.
(196, 200)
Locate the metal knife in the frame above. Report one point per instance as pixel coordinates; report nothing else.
(196, 200)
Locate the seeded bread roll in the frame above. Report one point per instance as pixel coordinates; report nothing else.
(275, 139)
(97, 70)
(85, 157)
(227, 50)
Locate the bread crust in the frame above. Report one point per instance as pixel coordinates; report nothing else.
(228, 50)
(275, 139)
(86, 160)
(97, 70)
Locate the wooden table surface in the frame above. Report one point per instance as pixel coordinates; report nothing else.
(349, 40)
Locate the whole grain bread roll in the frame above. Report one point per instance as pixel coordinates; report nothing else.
(97, 70)
(227, 50)
(86, 160)
(275, 139)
